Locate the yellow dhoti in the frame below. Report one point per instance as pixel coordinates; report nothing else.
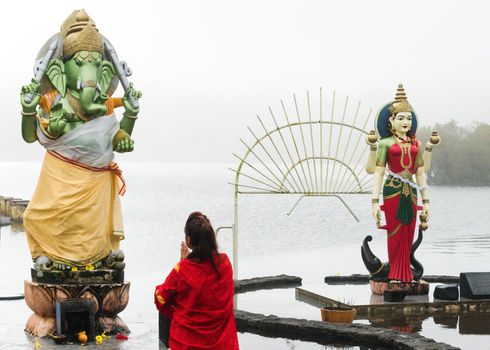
(74, 216)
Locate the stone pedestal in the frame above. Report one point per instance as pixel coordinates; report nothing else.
(110, 299)
(412, 288)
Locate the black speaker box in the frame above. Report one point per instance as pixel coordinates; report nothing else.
(474, 285)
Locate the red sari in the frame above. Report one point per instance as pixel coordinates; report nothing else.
(400, 203)
(199, 304)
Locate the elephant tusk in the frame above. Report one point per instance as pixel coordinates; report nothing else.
(88, 83)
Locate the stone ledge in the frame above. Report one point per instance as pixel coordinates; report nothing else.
(80, 277)
(326, 333)
(364, 279)
(269, 282)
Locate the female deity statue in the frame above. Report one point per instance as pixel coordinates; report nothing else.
(74, 218)
(398, 156)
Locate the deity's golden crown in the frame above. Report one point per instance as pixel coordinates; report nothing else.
(400, 104)
(79, 33)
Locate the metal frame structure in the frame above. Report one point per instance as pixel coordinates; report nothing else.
(309, 157)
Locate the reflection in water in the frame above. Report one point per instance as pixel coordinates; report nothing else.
(17, 228)
(337, 347)
(290, 344)
(379, 299)
(252, 341)
(474, 323)
(446, 320)
(469, 323)
(405, 324)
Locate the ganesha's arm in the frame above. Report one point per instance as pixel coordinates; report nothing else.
(128, 120)
(127, 124)
(29, 124)
(122, 141)
(131, 111)
(29, 113)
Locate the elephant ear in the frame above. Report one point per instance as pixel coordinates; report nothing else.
(106, 75)
(56, 75)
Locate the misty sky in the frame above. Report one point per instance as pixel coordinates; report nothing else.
(207, 67)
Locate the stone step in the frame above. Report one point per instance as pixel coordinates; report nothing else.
(13, 208)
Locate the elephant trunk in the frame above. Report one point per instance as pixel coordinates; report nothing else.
(377, 270)
(89, 106)
(371, 262)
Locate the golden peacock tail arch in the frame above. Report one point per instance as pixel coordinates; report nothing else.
(309, 147)
(314, 149)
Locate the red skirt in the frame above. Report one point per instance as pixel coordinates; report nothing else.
(399, 239)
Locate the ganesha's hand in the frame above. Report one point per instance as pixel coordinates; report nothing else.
(58, 120)
(56, 126)
(124, 145)
(131, 95)
(376, 214)
(34, 89)
(122, 142)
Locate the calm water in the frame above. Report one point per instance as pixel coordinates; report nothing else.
(320, 238)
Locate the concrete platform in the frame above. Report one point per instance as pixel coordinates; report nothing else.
(414, 305)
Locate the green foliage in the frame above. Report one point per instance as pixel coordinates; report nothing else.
(463, 157)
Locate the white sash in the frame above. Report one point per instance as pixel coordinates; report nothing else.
(89, 144)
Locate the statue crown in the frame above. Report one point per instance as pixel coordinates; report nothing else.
(80, 33)
(401, 104)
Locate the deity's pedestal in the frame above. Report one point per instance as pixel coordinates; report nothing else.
(411, 288)
(101, 287)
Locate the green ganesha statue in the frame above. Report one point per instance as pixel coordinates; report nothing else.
(73, 221)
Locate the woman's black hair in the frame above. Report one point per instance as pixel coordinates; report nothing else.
(202, 239)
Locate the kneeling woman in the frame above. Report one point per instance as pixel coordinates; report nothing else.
(197, 295)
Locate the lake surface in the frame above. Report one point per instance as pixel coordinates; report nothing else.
(319, 238)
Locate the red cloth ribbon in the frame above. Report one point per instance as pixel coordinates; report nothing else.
(120, 336)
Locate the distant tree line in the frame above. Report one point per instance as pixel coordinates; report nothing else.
(463, 157)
